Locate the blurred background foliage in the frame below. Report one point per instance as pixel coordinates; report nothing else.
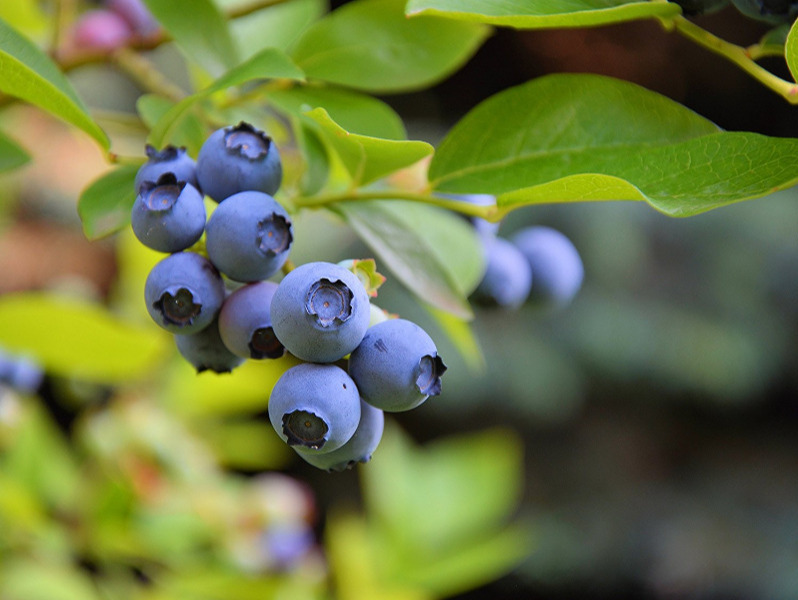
(638, 443)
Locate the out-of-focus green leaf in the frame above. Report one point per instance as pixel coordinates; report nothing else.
(189, 132)
(355, 112)
(31, 76)
(200, 30)
(41, 459)
(246, 444)
(368, 158)
(25, 16)
(791, 50)
(12, 155)
(30, 580)
(537, 14)
(267, 64)
(104, 206)
(433, 252)
(370, 45)
(568, 138)
(277, 26)
(78, 339)
(458, 330)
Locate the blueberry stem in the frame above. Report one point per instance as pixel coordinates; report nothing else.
(740, 56)
(488, 212)
(143, 72)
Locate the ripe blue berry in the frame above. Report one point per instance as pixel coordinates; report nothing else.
(206, 351)
(168, 215)
(557, 269)
(396, 367)
(320, 312)
(245, 322)
(249, 236)
(315, 406)
(169, 160)
(101, 30)
(508, 276)
(184, 293)
(236, 159)
(358, 449)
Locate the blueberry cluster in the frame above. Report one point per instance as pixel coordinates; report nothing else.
(536, 265)
(356, 362)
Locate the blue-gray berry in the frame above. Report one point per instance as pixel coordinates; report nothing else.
(508, 276)
(396, 367)
(168, 160)
(320, 312)
(245, 322)
(206, 351)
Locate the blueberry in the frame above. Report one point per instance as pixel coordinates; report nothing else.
(320, 312)
(773, 12)
(169, 160)
(249, 236)
(245, 322)
(136, 14)
(20, 373)
(396, 367)
(184, 292)
(101, 30)
(358, 449)
(557, 269)
(508, 276)
(237, 159)
(168, 215)
(206, 351)
(315, 406)
(486, 229)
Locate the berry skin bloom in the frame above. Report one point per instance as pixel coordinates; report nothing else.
(168, 160)
(245, 322)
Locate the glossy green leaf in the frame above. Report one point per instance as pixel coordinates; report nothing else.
(569, 138)
(791, 51)
(370, 45)
(536, 14)
(277, 26)
(104, 206)
(433, 252)
(200, 30)
(368, 158)
(78, 339)
(316, 165)
(267, 64)
(189, 132)
(30, 75)
(355, 112)
(12, 155)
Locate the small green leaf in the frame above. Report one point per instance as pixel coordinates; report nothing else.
(267, 64)
(568, 138)
(791, 50)
(368, 158)
(370, 45)
(30, 75)
(276, 26)
(190, 132)
(12, 155)
(77, 339)
(543, 13)
(104, 206)
(433, 252)
(355, 112)
(200, 30)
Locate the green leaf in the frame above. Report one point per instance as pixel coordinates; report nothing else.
(569, 138)
(368, 158)
(12, 155)
(30, 75)
(316, 164)
(104, 206)
(277, 26)
(536, 14)
(459, 331)
(35, 580)
(78, 339)
(370, 45)
(200, 30)
(791, 50)
(433, 252)
(355, 112)
(267, 64)
(190, 132)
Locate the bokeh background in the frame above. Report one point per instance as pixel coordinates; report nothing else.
(653, 422)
